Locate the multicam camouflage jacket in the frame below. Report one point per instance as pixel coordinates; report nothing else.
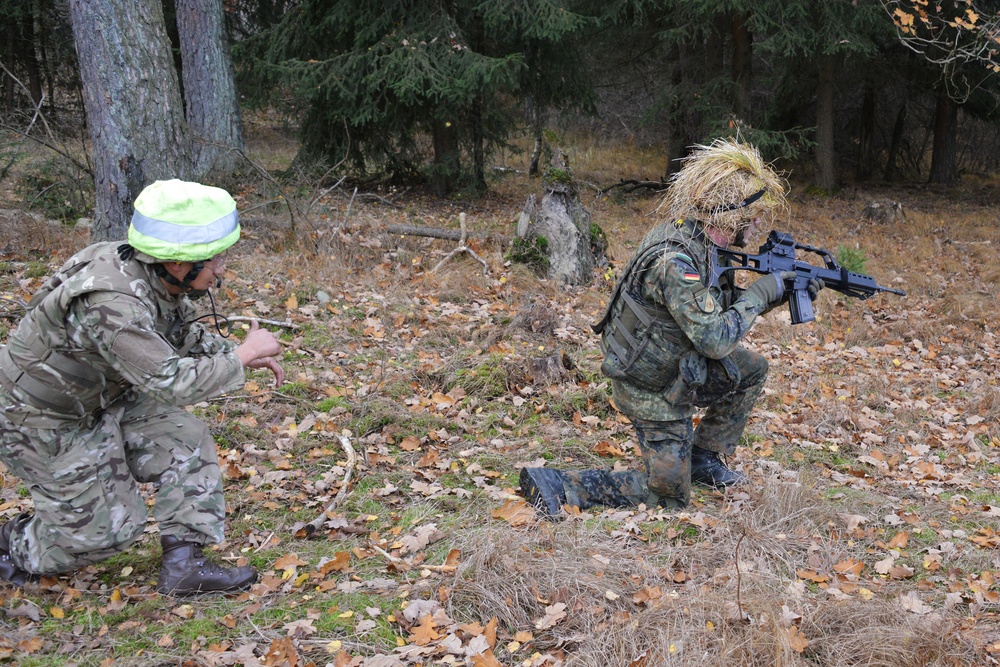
(662, 312)
(100, 328)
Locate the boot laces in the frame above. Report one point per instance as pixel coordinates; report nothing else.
(207, 567)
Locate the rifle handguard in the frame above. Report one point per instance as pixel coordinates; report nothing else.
(777, 255)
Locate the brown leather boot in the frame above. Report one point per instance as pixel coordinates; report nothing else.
(185, 571)
(8, 570)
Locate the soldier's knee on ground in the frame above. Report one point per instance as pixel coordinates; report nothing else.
(671, 482)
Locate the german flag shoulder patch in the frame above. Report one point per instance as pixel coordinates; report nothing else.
(686, 266)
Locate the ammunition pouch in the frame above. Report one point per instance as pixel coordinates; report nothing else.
(641, 342)
(701, 381)
(55, 382)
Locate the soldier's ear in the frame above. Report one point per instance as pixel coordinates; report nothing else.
(177, 269)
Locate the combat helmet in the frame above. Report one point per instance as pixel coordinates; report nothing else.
(181, 221)
(725, 185)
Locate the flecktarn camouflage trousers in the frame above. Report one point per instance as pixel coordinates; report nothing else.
(666, 445)
(84, 481)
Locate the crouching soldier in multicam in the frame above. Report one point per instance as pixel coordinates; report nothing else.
(93, 383)
(671, 339)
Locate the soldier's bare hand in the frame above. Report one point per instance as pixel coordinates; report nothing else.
(259, 344)
(272, 364)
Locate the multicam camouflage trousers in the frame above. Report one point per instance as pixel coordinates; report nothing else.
(84, 481)
(666, 445)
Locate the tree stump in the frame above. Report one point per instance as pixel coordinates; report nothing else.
(560, 227)
(554, 368)
(883, 211)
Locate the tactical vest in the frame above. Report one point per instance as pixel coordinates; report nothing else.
(641, 341)
(39, 367)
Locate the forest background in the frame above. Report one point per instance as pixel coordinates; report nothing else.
(869, 534)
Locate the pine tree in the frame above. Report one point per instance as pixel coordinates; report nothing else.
(817, 38)
(136, 121)
(376, 77)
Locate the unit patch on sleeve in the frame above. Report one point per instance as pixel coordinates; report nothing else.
(703, 298)
(686, 266)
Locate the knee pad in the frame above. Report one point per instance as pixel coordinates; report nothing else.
(755, 369)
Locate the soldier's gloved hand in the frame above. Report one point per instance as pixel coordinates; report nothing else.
(770, 288)
(813, 287)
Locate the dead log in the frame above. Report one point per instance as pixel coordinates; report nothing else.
(446, 234)
(631, 185)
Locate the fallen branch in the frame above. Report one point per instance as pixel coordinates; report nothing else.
(261, 320)
(463, 248)
(352, 459)
(446, 234)
(396, 560)
(631, 185)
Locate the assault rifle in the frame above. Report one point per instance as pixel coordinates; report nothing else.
(777, 255)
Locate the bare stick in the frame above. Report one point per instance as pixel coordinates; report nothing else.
(396, 560)
(261, 320)
(739, 582)
(38, 115)
(446, 234)
(323, 194)
(352, 459)
(349, 204)
(463, 248)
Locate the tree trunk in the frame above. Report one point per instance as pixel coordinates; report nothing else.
(676, 139)
(446, 157)
(28, 57)
(536, 132)
(866, 156)
(48, 72)
(8, 81)
(943, 162)
(742, 71)
(211, 105)
(133, 104)
(535, 108)
(897, 138)
(478, 146)
(825, 178)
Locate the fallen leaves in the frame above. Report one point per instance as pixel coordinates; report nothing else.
(516, 513)
(553, 614)
(424, 633)
(796, 639)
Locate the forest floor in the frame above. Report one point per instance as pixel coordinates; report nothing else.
(867, 536)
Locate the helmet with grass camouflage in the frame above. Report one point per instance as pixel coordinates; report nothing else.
(180, 221)
(726, 185)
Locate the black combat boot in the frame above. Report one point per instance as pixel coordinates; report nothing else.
(708, 468)
(185, 571)
(543, 488)
(8, 570)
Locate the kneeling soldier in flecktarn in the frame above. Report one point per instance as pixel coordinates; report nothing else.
(671, 340)
(93, 383)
